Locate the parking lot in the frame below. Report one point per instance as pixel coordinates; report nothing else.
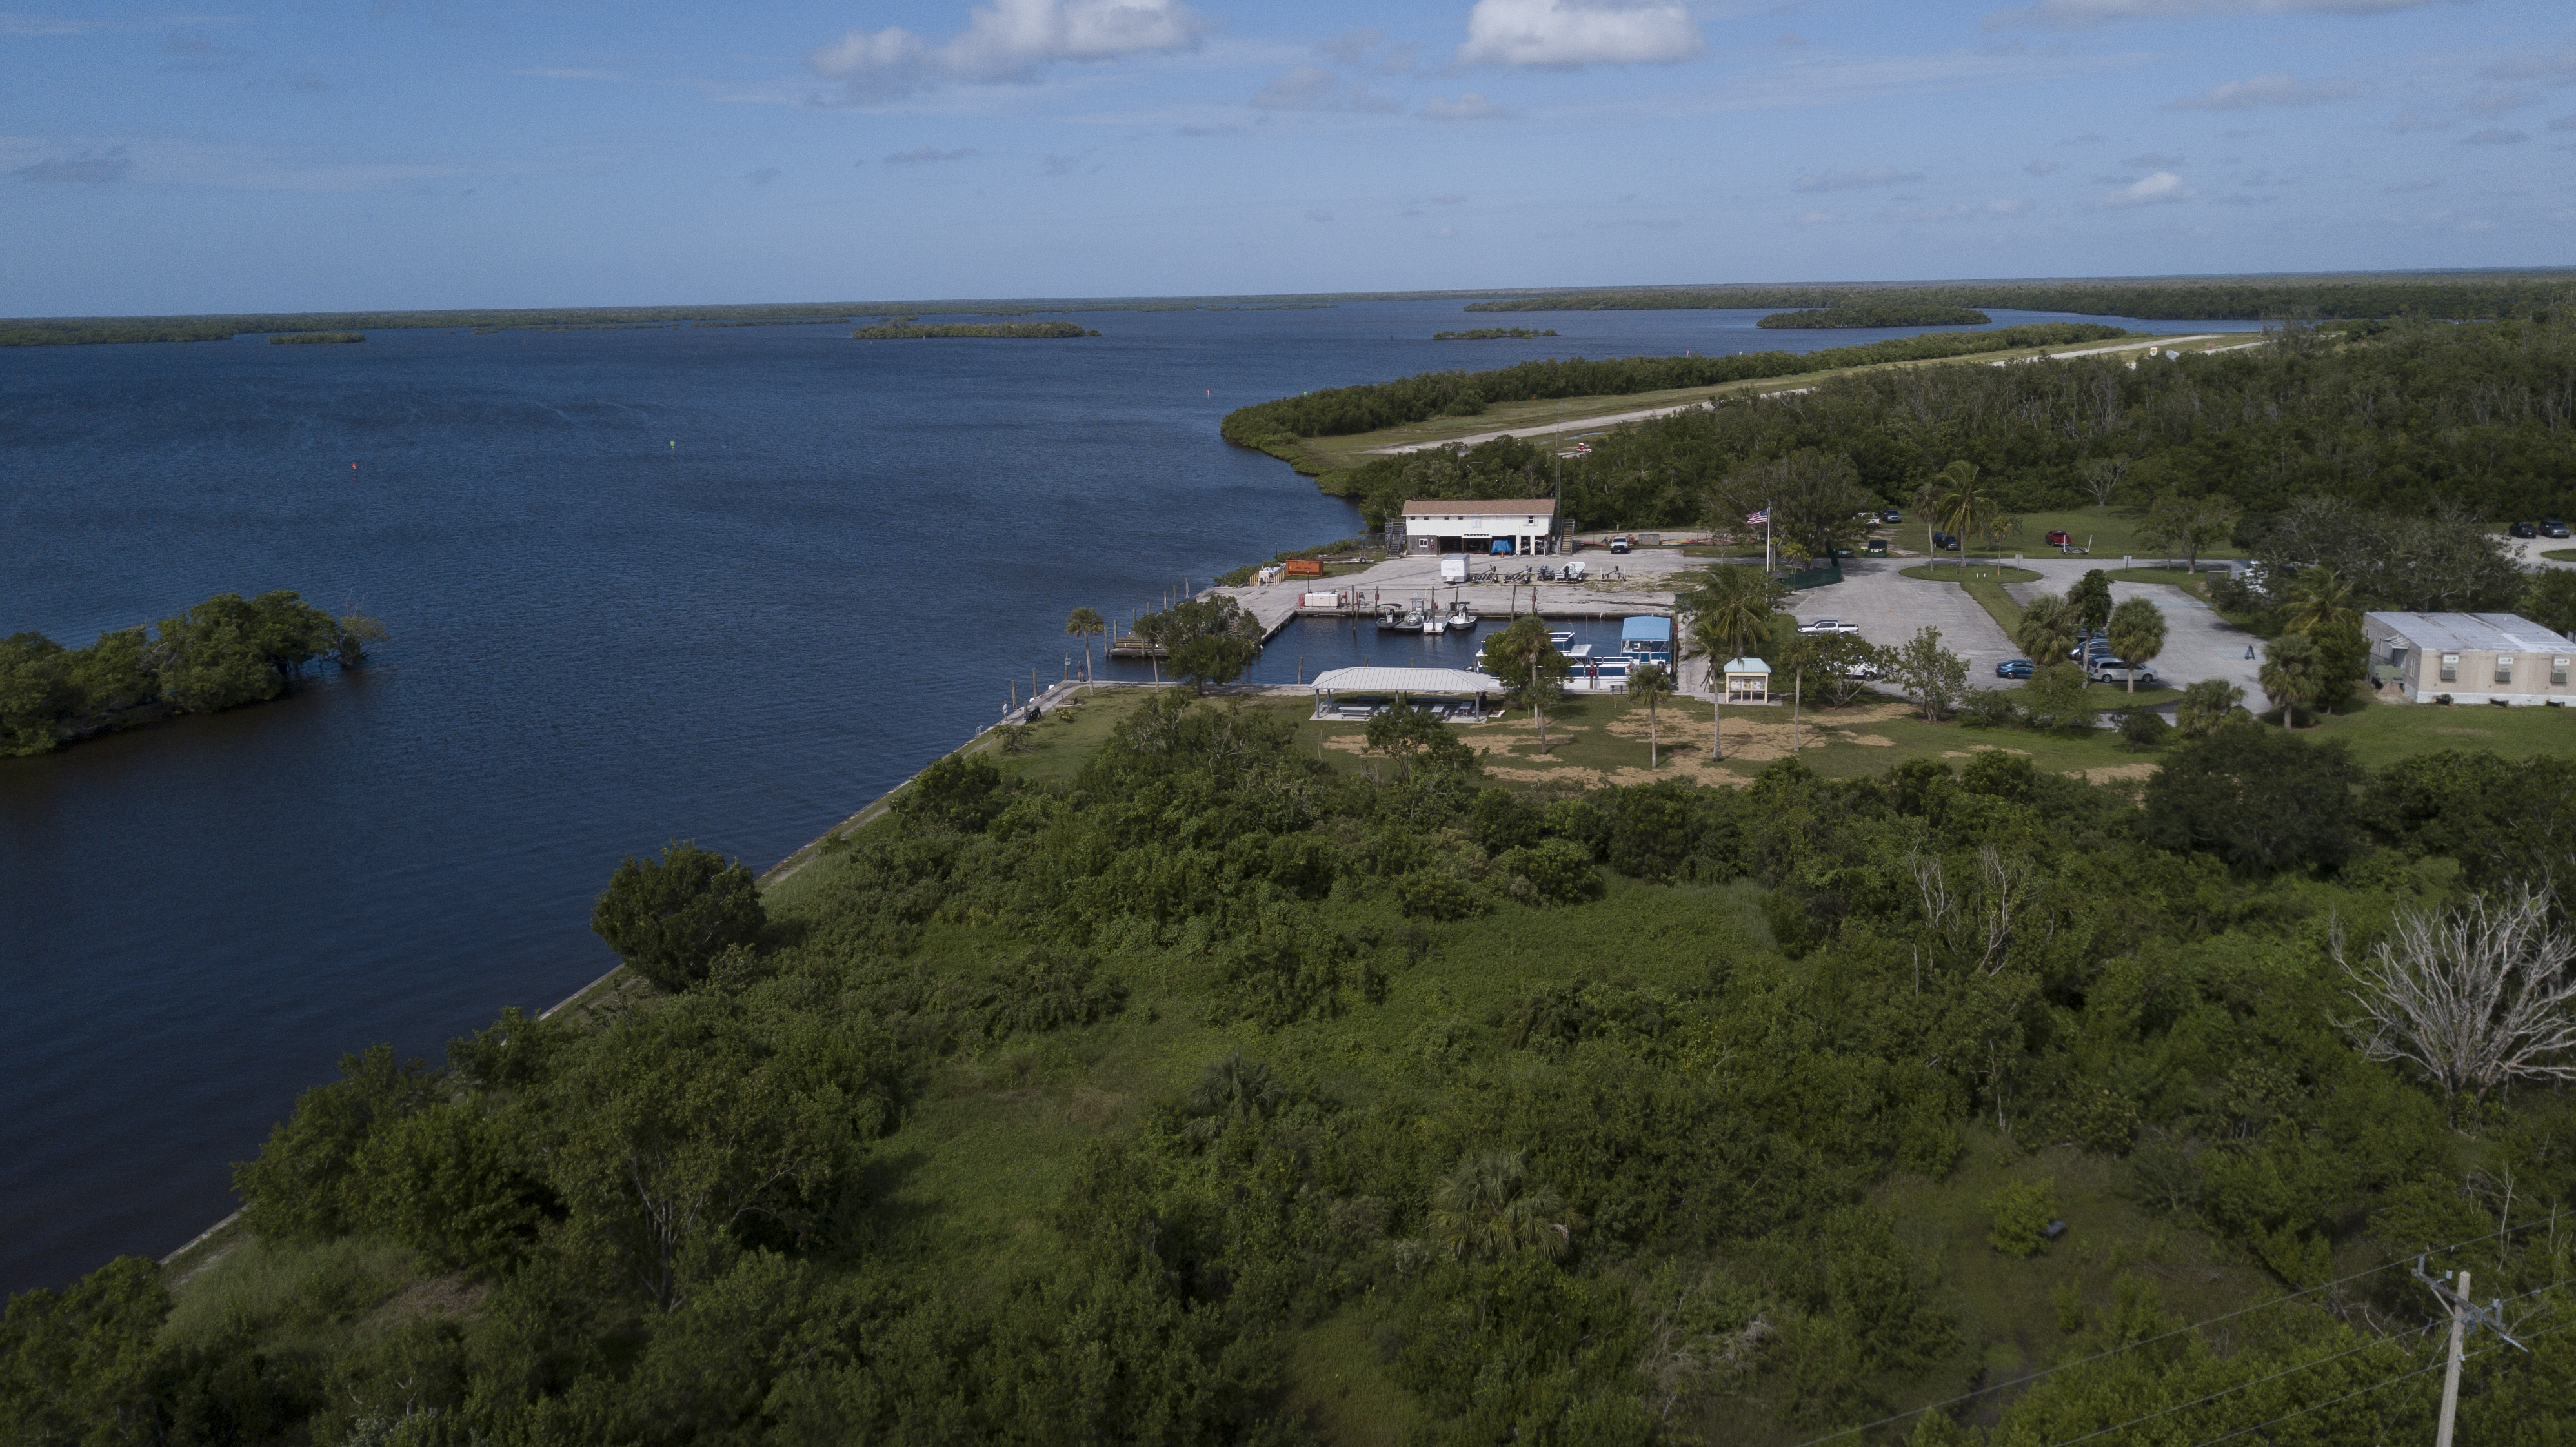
(1890, 608)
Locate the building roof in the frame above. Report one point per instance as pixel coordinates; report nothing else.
(1406, 680)
(1746, 665)
(1481, 507)
(2472, 632)
(1646, 629)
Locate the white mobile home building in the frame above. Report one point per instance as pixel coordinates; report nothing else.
(1518, 526)
(2472, 657)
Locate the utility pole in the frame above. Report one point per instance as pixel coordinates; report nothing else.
(2464, 1314)
(2451, 1373)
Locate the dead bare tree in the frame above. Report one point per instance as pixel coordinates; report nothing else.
(1978, 921)
(2473, 996)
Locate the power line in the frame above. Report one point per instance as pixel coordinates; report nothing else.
(2177, 1331)
(2293, 1371)
(2392, 1381)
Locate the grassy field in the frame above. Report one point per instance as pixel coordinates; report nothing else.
(1570, 416)
(2110, 532)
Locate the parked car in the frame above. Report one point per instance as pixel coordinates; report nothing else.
(2015, 668)
(1891, 516)
(1944, 542)
(1619, 543)
(1863, 670)
(2524, 530)
(1827, 625)
(2087, 651)
(2113, 670)
(2057, 537)
(2553, 528)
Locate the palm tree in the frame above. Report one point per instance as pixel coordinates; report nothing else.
(1731, 611)
(2318, 599)
(2289, 675)
(2047, 629)
(1961, 504)
(1235, 1088)
(1082, 623)
(1651, 683)
(1489, 1207)
(2137, 634)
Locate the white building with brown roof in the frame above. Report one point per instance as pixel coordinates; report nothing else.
(2472, 657)
(1518, 525)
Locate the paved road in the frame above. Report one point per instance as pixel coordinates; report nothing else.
(1574, 424)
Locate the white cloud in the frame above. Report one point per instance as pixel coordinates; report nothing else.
(928, 155)
(2489, 100)
(1565, 34)
(1007, 40)
(2496, 137)
(1958, 211)
(1819, 218)
(1349, 46)
(2153, 162)
(1469, 107)
(1313, 88)
(2085, 14)
(2265, 90)
(2163, 186)
(1852, 180)
(2559, 69)
(2042, 168)
(1441, 233)
(93, 168)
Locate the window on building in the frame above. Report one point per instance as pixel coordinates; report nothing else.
(2558, 672)
(2450, 668)
(2397, 657)
(2504, 668)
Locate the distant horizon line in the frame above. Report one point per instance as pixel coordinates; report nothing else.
(675, 311)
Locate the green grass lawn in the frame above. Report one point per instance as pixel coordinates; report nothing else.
(1985, 583)
(2113, 532)
(2379, 733)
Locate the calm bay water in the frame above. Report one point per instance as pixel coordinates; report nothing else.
(602, 641)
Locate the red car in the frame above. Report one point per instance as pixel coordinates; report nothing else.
(2057, 538)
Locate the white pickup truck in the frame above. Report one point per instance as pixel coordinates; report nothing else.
(1827, 625)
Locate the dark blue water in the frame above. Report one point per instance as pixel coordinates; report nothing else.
(601, 641)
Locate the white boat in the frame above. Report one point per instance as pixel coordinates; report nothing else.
(1390, 618)
(1462, 618)
(1410, 621)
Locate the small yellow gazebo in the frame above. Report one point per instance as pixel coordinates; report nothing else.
(1748, 680)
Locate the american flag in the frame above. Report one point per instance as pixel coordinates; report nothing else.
(1759, 519)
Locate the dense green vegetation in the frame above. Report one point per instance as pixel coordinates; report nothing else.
(1875, 311)
(2413, 420)
(900, 332)
(2465, 296)
(1275, 1098)
(1489, 334)
(1340, 411)
(223, 653)
(291, 338)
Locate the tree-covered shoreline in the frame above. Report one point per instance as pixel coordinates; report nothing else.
(224, 653)
(903, 331)
(1369, 406)
(2473, 296)
(2409, 420)
(1864, 311)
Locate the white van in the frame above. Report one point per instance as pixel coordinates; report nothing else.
(1453, 568)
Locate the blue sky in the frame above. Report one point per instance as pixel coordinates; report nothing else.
(202, 156)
